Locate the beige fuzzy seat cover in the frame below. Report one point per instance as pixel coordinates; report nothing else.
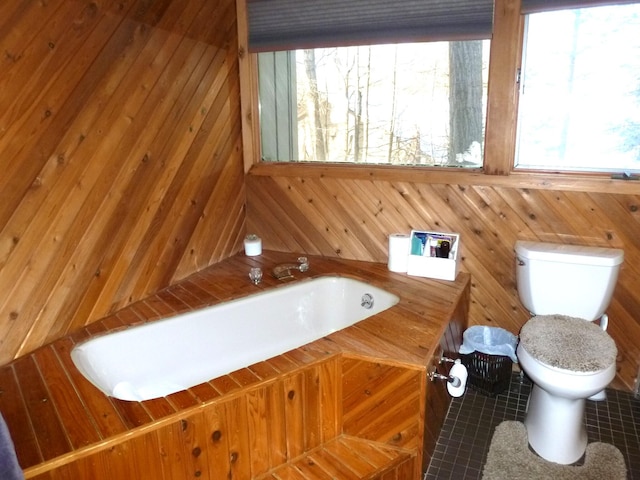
(568, 343)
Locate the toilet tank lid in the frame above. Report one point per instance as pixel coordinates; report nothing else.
(581, 254)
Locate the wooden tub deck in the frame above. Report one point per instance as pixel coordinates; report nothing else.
(57, 417)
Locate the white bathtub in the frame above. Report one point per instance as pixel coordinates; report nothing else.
(173, 354)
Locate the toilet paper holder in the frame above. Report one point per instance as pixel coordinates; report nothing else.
(455, 381)
(434, 375)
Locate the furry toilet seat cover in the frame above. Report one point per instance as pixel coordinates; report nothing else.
(569, 343)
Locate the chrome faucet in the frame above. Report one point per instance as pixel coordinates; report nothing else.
(283, 271)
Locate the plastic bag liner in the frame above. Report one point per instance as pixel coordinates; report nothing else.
(489, 340)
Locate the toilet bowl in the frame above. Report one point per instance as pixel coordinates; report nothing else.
(568, 360)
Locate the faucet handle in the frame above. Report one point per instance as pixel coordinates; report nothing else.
(304, 264)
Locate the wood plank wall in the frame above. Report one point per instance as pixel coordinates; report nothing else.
(437, 397)
(122, 173)
(120, 153)
(252, 432)
(326, 213)
(241, 436)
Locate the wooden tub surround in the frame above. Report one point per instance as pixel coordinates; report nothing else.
(354, 405)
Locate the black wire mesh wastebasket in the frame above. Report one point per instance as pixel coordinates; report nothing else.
(488, 374)
(488, 354)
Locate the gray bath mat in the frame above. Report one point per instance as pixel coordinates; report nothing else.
(509, 458)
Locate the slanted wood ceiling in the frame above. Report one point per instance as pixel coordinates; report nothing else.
(120, 156)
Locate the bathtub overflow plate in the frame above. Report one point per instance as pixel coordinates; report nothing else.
(367, 301)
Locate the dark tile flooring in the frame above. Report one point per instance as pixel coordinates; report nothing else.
(464, 441)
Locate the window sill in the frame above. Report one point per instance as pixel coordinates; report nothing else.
(583, 182)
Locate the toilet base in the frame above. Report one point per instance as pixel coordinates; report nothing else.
(555, 426)
(601, 396)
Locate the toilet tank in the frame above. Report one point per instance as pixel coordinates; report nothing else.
(566, 279)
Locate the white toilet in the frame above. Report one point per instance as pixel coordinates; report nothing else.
(567, 357)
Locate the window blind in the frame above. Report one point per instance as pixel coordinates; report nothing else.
(536, 6)
(293, 24)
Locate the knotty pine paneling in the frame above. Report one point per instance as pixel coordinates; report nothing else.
(382, 402)
(56, 417)
(253, 432)
(243, 436)
(437, 398)
(120, 156)
(352, 217)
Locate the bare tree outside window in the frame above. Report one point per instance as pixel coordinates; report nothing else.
(465, 100)
(317, 106)
(579, 106)
(406, 104)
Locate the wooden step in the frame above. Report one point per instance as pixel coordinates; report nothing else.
(348, 458)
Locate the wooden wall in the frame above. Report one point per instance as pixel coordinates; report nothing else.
(349, 211)
(437, 398)
(320, 211)
(120, 153)
(243, 436)
(121, 161)
(338, 416)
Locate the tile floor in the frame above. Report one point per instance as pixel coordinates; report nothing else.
(464, 441)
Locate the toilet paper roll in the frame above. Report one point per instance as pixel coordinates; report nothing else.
(458, 370)
(252, 245)
(399, 244)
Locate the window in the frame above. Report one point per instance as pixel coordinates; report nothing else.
(401, 104)
(579, 107)
(372, 81)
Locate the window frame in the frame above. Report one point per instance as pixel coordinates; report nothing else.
(500, 131)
